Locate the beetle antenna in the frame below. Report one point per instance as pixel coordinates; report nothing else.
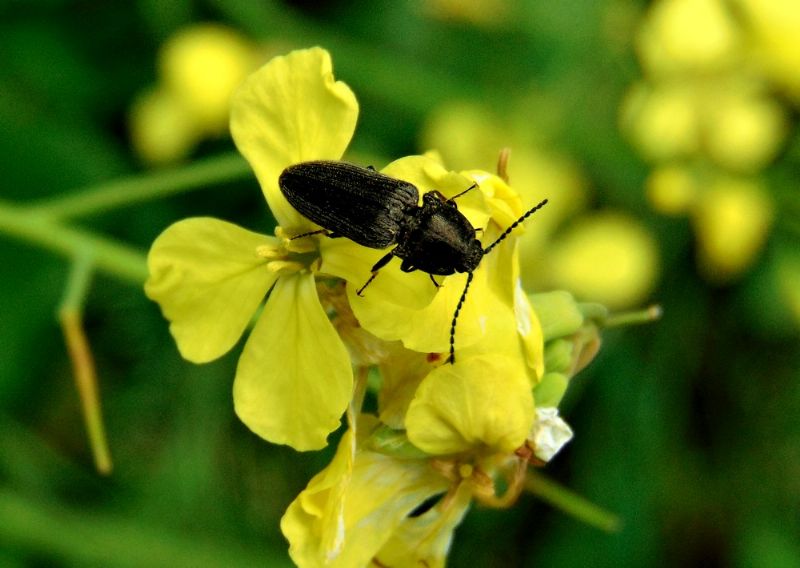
(326, 232)
(514, 226)
(452, 358)
(470, 188)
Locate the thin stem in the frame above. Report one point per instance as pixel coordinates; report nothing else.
(128, 191)
(70, 315)
(571, 503)
(117, 259)
(647, 315)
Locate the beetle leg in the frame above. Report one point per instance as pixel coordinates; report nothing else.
(435, 283)
(378, 265)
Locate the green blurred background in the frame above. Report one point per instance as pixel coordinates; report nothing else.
(688, 428)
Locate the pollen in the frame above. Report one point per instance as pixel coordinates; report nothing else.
(270, 252)
(466, 470)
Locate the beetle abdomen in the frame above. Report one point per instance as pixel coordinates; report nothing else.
(360, 204)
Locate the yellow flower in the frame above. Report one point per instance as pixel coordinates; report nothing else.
(162, 128)
(199, 69)
(732, 221)
(203, 65)
(294, 378)
(688, 35)
(775, 27)
(672, 189)
(663, 121)
(361, 503)
(607, 257)
(369, 507)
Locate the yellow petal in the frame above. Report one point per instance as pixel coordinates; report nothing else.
(479, 402)
(294, 378)
(292, 110)
(425, 540)
(351, 262)
(402, 371)
(530, 331)
(428, 329)
(207, 278)
(361, 505)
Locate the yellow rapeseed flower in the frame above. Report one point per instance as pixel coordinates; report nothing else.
(294, 377)
(732, 221)
(609, 257)
(775, 29)
(203, 65)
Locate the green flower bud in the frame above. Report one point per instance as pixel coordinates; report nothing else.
(550, 390)
(558, 313)
(558, 355)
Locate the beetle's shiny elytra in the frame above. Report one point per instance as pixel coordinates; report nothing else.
(378, 211)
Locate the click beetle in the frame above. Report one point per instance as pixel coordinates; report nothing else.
(378, 211)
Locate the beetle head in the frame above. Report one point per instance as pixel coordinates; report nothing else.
(473, 257)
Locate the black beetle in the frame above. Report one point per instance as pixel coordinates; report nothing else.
(377, 211)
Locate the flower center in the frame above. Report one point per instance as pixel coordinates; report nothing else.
(291, 255)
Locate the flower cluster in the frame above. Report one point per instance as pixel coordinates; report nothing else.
(443, 435)
(712, 114)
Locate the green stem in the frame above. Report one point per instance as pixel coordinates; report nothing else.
(647, 315)
(70, 315)
(79, 282)
(117, 259)
(127, 191)
(571, 503)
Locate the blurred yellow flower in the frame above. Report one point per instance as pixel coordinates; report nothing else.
(745, 129)
(607, 257)
(707, 117)
(775, 29)
(162, 128)
(662, 120)
(732, 220)
(199, 69)
(688, 35)
(203, 65)
(672, 189)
